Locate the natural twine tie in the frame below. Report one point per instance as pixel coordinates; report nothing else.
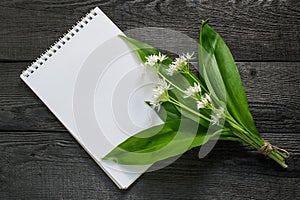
(268, 147)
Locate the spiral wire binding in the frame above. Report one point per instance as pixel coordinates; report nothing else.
(59, 43)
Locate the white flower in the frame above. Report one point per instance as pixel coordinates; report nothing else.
(205, 100)
(200, 105)
(190, 91)
(189, 56)
(162, 83)
(215, 119)
(161, 57)
(152, 60)
(181, 61)
(160, 94)
(179, 64)
(172, 68)
(218, 114)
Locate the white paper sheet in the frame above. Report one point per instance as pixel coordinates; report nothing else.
(94, 84)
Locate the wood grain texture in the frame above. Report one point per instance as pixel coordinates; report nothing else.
(254, 29)
(39, 159)
(45, 165)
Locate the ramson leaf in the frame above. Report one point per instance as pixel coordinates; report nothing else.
(160, 142)
(221, 75)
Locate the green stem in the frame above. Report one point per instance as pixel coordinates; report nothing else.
(243, 133)
(175, 86)
(276, 157)
(174, 101)
(274, 154)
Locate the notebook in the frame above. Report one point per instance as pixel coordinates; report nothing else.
(95, 85)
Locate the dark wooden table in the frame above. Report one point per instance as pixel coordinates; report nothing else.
(39, 159)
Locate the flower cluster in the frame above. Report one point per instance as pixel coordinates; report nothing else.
(160, 94)
(180, 64)
(160, 91)
(205, 100)
(192, 90)
(153, 60)
(218, 114)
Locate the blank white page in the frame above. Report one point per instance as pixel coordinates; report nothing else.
(95, 85)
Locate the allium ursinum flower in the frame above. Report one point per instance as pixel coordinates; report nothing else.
(205, 100)
(160, 94)
(161, 57)
(179, 64)
(188, 56)
(172, 68)
(192, 90)
(218, 114)
(152, 60)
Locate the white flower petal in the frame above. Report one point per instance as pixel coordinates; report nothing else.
(218, 114)
(200, 105)
(189, 56)
(192, 91)
(161, 57)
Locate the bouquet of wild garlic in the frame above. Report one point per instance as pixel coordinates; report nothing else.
(194, 109)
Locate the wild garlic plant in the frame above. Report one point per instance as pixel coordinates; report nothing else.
(214, 99)
(181, 65)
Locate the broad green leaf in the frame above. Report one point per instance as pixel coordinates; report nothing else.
(167, 112)
(142, 49)
(160, 142)
(221, 75)
(164, 141)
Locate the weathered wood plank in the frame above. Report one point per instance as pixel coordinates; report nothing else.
(273, 91)
(52, 165)
(254, 29)
(18, 105)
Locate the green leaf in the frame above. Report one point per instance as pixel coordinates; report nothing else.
(142, 49)
(167, 112)
(221, 75)
(159, 142)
